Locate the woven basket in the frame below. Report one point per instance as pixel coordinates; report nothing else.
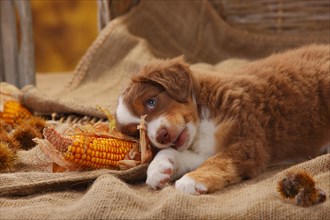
(276, 15)
(110, 9)
(259, 15)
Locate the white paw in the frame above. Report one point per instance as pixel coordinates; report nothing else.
(187, 185)
(159, 174)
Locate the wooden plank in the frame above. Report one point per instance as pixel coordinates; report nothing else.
(9, 42)
(103, 13)
(26, 62)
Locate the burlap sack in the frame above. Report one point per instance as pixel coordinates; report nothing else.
(157, 29)
(154, 29)
(101, 195)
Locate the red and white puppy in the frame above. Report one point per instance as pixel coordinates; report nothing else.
(217, 130)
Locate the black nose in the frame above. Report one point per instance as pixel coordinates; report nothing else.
(162, 136)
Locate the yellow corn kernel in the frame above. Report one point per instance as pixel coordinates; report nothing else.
(14, 113)
(97, 152)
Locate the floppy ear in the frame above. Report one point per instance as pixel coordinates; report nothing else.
(174, 75)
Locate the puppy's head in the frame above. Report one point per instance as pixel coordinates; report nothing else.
(164, 91)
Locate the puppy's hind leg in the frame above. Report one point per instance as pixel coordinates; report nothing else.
(242, 159)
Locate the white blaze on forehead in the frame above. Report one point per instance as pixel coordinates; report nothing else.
(124, 115)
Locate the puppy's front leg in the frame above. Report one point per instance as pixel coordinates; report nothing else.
(240, 160)
(214, 174)
(170, 164)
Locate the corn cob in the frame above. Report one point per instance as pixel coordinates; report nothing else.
(97, 152)
(93, 146)
(14, 113)
(89, 150)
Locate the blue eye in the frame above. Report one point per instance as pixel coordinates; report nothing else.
(151, 103)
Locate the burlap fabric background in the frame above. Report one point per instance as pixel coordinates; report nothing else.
(154, 29)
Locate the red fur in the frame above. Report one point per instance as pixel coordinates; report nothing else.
(273, 109)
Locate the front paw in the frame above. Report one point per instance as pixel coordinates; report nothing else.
(188, 185)
(159, 174)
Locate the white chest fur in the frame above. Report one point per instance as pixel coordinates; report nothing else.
(172, 164)
(205, 142)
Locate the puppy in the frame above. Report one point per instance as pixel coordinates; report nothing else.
(212, 131)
